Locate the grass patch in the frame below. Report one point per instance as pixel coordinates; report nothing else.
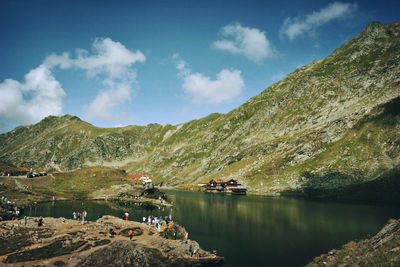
(58, 248)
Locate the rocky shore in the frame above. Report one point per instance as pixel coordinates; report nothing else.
(383, 249)
(63, 242)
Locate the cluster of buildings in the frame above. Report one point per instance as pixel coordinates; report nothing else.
(224, 185)
(146, 179)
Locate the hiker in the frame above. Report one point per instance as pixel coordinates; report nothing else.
(40, 222)
(186, 237)
(198, 253)
(174, 235)
(126, 216)
(79, 215)
(84, 214)
(144, 219)
(190, 250)
(74, 215)
(25, 220)
(130, 233)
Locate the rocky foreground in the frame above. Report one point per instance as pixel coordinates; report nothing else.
(383, 249)
(62, 242)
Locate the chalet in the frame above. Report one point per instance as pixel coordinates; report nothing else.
(14, 171)
(225, 185)
(53, 161)
(146, 179)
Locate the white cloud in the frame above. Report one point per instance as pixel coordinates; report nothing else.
(116, 93)
(250, 42)
(111, 62)
(40, 95)
(294, 27)
(227, 85)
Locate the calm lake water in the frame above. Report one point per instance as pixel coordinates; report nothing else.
(251, 230)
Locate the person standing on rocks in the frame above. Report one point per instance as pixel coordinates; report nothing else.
(40, 222)
(186, 237)
(191, 250)
(126, 216)
(84, 214)
(130, 233)
(74, 215)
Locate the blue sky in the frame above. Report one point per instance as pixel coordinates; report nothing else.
(117, 63)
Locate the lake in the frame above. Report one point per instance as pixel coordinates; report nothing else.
(251, 230)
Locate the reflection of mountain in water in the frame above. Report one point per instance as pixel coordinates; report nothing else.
(250, 230)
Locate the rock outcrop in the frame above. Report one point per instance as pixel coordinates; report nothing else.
(69, 242)
(383, 249)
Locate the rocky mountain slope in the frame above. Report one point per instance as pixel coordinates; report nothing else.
(380, 250)
(327, 126)
(63, 242)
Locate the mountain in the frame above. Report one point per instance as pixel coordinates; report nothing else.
(326, 127)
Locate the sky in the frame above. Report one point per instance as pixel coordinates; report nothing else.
(119, 63)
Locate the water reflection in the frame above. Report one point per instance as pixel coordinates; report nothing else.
(250, 230)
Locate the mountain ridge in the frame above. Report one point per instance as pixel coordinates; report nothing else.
(304, 124)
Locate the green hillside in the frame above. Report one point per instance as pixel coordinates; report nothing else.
(325, 128)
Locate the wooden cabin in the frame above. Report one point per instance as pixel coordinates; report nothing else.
(225, 185)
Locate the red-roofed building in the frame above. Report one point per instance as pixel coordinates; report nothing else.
(142, 176)
(226, 185)
(24, 169)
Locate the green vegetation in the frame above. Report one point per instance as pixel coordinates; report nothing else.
(58, 248)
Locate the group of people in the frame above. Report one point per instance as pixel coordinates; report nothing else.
(9, 209)
(156, 221)
(195, 252)
(162, 200)
(80, 216)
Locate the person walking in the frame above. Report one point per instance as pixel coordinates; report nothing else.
(74, 215)
(126, 216)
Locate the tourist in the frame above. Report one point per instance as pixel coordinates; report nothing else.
(74, 215)
(174, 235)
(144, 219)
(40, 222)
(186, 237)
(190, 250)
(126, 216)
(25, 220)
(84, 214)
(79, 215)
(159, 227)
(197, 253)
(130, 233)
